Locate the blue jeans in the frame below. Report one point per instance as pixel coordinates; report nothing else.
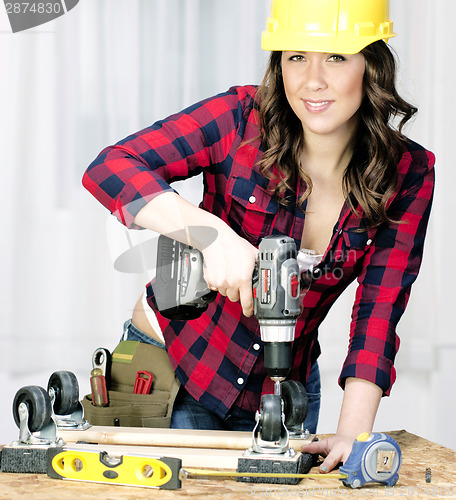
(189, 414)
(131, 332)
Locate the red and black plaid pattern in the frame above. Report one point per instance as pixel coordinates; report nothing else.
(218, 357)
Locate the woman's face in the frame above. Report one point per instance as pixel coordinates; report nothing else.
(324, 90)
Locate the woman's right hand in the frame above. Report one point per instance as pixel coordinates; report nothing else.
(229, 260)
(229, 263)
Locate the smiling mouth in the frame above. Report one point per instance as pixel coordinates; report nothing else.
(317, 106)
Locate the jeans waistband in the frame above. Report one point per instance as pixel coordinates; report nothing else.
(131, 332)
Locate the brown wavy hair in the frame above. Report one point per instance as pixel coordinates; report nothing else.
(371, 176)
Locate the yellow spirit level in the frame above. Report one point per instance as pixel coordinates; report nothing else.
(101, 467)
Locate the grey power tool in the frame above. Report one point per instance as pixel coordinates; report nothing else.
(181, 293)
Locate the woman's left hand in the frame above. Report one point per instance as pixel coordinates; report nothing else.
(357, 415)
(335, 449)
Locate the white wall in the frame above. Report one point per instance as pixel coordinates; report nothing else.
(105, 69)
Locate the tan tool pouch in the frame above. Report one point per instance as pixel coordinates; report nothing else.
(136, 410)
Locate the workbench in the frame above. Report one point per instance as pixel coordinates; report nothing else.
(417, 455)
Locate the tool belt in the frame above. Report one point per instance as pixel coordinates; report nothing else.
(125, 408)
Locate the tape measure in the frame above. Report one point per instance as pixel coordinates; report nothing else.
(101, 467)
(374, 458)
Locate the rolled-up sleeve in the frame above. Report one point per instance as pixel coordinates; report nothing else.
(390, 267)
(126, 176)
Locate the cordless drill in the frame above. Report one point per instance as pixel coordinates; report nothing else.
(276, 291)
(182, 293)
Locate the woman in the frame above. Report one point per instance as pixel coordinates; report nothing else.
(311, 154)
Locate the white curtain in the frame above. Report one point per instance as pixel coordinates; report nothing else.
(108, 68)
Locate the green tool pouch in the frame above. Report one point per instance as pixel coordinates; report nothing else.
(126, 409)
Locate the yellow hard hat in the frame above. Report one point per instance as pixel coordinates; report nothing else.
(337, 26)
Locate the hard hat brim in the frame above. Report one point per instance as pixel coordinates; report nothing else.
(319, 42)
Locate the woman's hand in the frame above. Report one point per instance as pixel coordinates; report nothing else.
(229, 263)
(357, 415)
(229, 260)
(335, 449)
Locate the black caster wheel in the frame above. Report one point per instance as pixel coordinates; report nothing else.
(39, 407)
(295, 402)
(66, 390)
(271, 417)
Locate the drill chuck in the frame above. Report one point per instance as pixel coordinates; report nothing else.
(277, 359)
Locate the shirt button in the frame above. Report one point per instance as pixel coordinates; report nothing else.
(316, 273)
(240, 380)
(369, 242)
(257, 347)
(252, 199)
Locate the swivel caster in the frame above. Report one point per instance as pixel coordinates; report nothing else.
(296, 405)
(38, 405)
(32, 412)
(295, 402)
(270, 434)
(63, 389)
(64, 385)
(271, 417)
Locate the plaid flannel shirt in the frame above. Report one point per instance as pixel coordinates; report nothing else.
(218, 357)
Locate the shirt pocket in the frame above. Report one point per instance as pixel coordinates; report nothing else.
(356, 244)
(344, 260)
(251, 209)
